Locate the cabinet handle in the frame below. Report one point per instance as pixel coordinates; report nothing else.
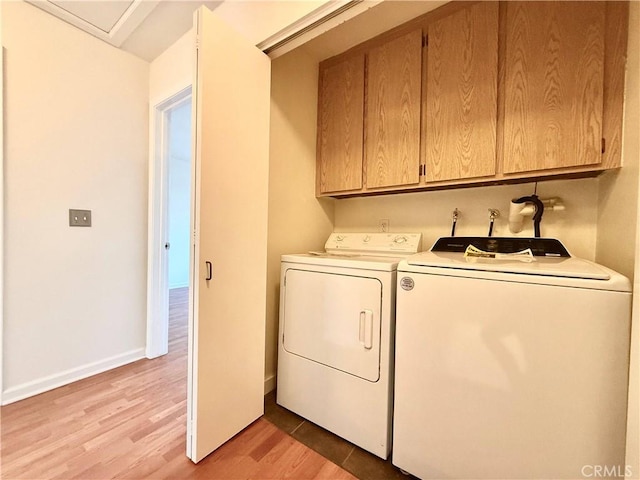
(209, 271)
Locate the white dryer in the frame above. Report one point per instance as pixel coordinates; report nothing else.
(510, 367)
(335, 348)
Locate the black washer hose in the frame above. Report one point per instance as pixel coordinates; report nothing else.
(537, 216)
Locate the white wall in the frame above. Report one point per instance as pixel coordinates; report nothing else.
(76, 130)
(298, 222)
(172, 70)
(618, 190)
(632, 458)
(430, 213)
(631, 152)
(179, 194)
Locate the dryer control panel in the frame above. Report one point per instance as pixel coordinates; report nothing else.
(374, 244)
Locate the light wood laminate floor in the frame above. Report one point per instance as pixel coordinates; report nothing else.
(130, 423)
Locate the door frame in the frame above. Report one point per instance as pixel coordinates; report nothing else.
(158, 221)
(2, 252)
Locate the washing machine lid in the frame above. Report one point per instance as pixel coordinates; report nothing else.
(545, 266)
(569, 267)
(537, 247)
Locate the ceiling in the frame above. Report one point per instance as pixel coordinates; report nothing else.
(142, 27)
(102, 15)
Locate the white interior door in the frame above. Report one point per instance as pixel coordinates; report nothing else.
(231, 147)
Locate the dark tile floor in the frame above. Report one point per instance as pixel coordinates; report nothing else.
(358, 462)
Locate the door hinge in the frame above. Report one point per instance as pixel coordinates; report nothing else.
(425, 40)
(603, 145)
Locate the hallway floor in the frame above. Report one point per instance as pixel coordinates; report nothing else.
(130, 423)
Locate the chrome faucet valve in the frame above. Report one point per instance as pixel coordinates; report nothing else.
(493, 214)
(454, 216)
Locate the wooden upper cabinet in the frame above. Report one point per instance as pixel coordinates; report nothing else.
(553, 92)
(505, 91)
(340, 126)
(394, 75)
(461, 94)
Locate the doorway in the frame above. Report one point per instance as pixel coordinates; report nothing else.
(179, 152)
(179, 216)
(169, 215)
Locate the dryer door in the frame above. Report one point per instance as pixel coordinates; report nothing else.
(334, 320)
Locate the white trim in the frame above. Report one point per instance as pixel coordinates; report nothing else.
(316, 16)
(157, 261)
(314, 24)
(192, 371)
(56, 380)
(269, 384)
(1, 208)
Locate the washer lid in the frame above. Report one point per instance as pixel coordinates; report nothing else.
(538, 247)
(528, 256)
(569, 267)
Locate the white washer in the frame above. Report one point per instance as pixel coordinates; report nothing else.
(335, 347)
(510, 369)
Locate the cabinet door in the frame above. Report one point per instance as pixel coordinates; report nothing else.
(393, 112)
(553, 85)
(461, 96)
(340, 126)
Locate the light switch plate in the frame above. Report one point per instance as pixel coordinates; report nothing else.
(79, 218)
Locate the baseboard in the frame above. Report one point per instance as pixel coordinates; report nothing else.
(56, 380)
(269, 384)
